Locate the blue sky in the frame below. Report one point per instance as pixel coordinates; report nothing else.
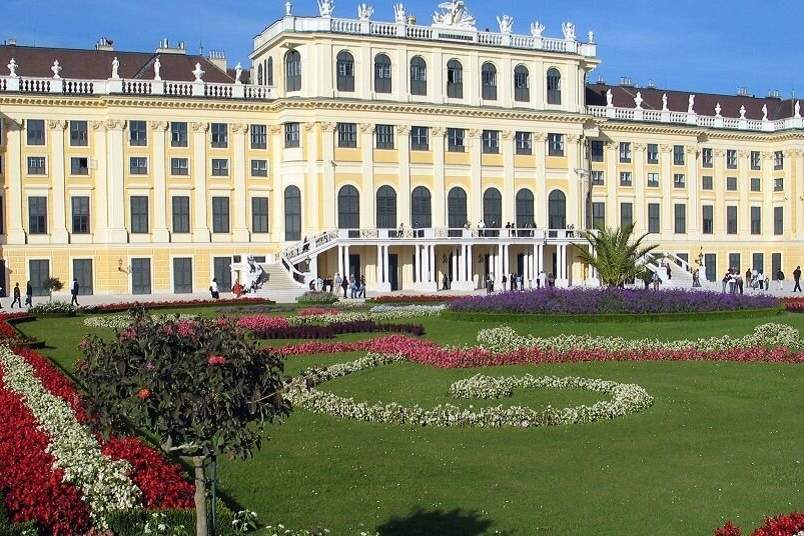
(701, 45)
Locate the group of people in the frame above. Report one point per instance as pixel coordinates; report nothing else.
(351, 286)
(75, 287)
(733, 281)
(517, 282)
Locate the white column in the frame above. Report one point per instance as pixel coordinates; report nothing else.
(116, 194)
(240, 231)
(417, 272)
(456, 259)
(160, 231)
(470, 276)
(346, 260)
(498, 266)
(200, 226)
(403, 197)
(386, 266)
(379, 270)
(328, 197)
(561, 276)
(540, 259)
(433, 278)
(340, 261)
(15, 233)
(58, 233)
(462, 264)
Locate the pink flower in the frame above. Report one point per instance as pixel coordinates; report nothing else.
(216, 360)
(144, 394)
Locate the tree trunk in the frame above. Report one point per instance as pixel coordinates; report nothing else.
(200, 496)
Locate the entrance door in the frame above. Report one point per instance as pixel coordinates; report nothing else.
(3, 279)
(182, 275)
(486, 267)
(393, 270)
(40, 273)
(82, 270)
(223, 273)
(520, 265)
(554, 272)
(354, 266)
(140, 276)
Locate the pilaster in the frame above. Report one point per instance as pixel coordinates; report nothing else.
(403, 141)
(99, 217)
(475, 192)
(200, 225)
(439, 206)
(58, 231)
(160, 231)
(509, 194)
(16, 233)
(328, 196)
(367, 200)
(116, 194)
(240, 230)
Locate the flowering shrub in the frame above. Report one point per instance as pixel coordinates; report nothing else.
(122, 321)
(317, 311)
(610, 301)
(728, 530)
(377, 313)
(793, 305)
(176, 304)
(53, 307)
(786, 525)
(317, 298)
(262, 324)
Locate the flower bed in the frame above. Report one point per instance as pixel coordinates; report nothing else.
(8, 333)
(376, 313)
(122, 321)
(177, 304)
(611, 301)
(786, 525)
(328, 331)
(413, 299)
(793, 305)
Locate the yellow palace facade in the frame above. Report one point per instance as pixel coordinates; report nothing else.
(411, 154)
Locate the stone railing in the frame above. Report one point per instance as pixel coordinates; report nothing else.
(684, 118)
(292, 24)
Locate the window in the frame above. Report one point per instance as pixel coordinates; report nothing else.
(348, 207)
(220, 214)
(524, 208)
(625, 152)
(78, 134)
(598, 178)
(492, 208)
(39, 270)
(384, 136)
(79, 165)
(625, 178)
(555, 144)
(491, 141)
(269, 71)
(758, 262)
(708, 225)
(734, 261)
(756, 160)
(293, 74)
(488, 77)
(653, 153)
(707, 183)
(731, 184)
(419, 139)
(653, 180)
(778, 160)
(347, 135)
(455, 138)
(37, 215)
(756, 184)
(382, 74)
(557, 210)
(778, 184)
(678, 155)
(220, 135)
(259, 168)
(139, 214)
(680, 210)
(386, 208)
(653, 218)
(454, 79)
(731, 219)
(259, 214)
(183, 269)
(35, 131)
(421, 208)
(220, 167)
(731, 159)
(679, 181)
(291, 135)
(138, 165)
(259, 136)
(345, 66)
(178, 134)
(776, 264)
(626, 214)
(710, 260)
(598, 215)
(553, 86)
(259, 75)
(756, 220)
(456, 210)
(521, 84)
(137, 133)
(36, 165)
(707, 160)
(181, 213)
(418, 76)
(80, 206)
(524, 143)
(596, 150)
(179, 166)
(778, 220)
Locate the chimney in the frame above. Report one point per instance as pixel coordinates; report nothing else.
(742, 91)
(651, 84)
(11, 41)
(626, 81)
(165, 48)
(775, 94)
(104, 43)
(218, 58)
(600, 79)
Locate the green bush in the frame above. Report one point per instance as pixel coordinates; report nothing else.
(53, 308)
(7, 528)
(132, 522)
(317, 298)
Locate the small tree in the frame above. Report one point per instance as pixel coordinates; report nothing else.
(203, 388)
(614, 253)
(53, 284)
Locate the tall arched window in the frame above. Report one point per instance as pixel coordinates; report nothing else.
(421, 208)
(293, 74)
(553, 86)
(269, 71)
(348, 207)
(521, 84)
(456, 211)
(418, 76)
(492, 208)
(259, 74)
(454, 79)
(386, 207)
(557, 210)
(293, 213)
(382, 74)
(488, 77)
(345, 69)
(524, 208)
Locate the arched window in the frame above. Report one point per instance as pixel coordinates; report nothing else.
(345, 69)
(454, 79)
(418, 76)
(522, 84)
(348, 207)
(492, 208)
(456, 211)
(269, 71)
(293, 214)
(488, 75)
(421, 208)
(524, 208)
(259, 74)
(557, 210)
(553, 86)
(386, 208)
(382, 74)
(293, 74)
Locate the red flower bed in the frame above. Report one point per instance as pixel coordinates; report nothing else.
(794, 305)
(787, 525)
(122, 307)
(315, 311)
(412, 299)
(8, 333)
(260, 324)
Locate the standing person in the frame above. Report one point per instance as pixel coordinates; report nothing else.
(504, 281)
(740, 283)
(344, 284)
(725, 280)
(29, 294)
(696, 278)
(797, 279)
(17, 299)
(362, 293)
(656, 281)
(74, 292)
(669, 271)
(541, 281)
(213, 289)
(337, 280)
(780, 278)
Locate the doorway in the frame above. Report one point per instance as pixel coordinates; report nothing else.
(393, 270)
(354, 266)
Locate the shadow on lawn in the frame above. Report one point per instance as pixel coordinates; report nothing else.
(428, 523)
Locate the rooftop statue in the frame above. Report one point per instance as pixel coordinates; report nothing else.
(506, 23)
(609, 98)
(638, 100)
(12, 68)
(400, 16)
(717, 109)
(364, 12)
(115, 67)
(157, 69)
(764, 112)
(796, 108)
(691, 105)
(326, 7)
(238, 73)
(453, 15)
(56, 68)
(664, 102)
(742, 112)
(536, 29)
(569, 31)
(198, 72)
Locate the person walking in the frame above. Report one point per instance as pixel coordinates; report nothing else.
(213, 289)
(74, 292)
(29, 294)
(17, 299)
(797, 279)
(780, 279)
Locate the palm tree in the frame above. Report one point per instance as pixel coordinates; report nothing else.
(615, 254)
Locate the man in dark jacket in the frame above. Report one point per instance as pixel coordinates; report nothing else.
(74, 292)
(17, 299)
(29, 294)
(797, 279)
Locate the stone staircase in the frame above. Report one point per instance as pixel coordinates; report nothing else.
(280, 286)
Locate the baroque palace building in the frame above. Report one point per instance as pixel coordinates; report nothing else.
(377, 149)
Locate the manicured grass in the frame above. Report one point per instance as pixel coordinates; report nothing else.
(722, 440)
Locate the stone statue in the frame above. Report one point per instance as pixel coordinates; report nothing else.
(453, 15)
(664, 102)
(796, 109)
(506, 23)
(238, 73)
(400, 16)
(12, 69)
(764, 112)
(569, 31)
(691, 105)
(609, 98)
(326, 7)
(536, 29)
(742, 112)
(56, 68)
(198, 72)
(590, 37)
(115, 67)
(157, 68)
(717, 109)
(638, 100)
(364, 12)
(288, 8)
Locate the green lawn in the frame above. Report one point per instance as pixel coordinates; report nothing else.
(722, 440)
